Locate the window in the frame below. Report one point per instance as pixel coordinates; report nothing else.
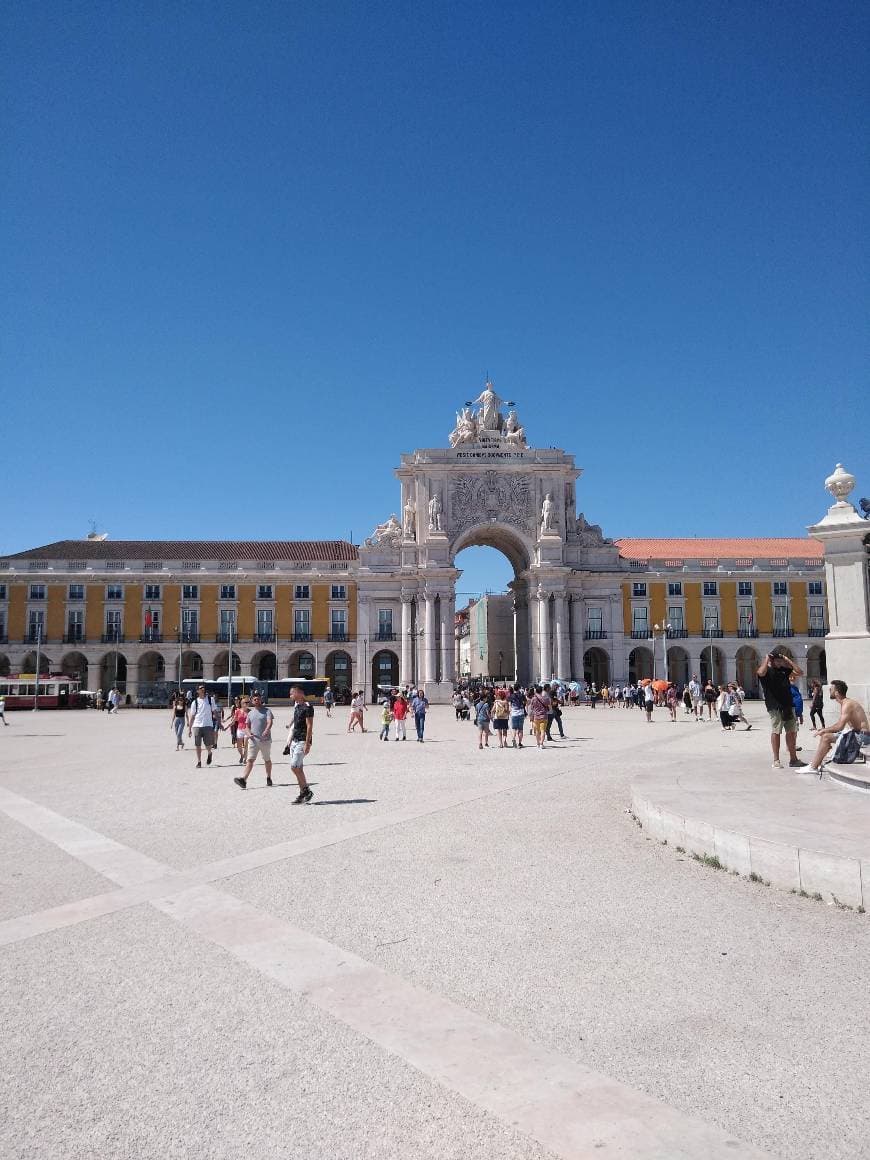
(264, 591)
(304, 665)
(75, 628)
(36, 624)
(228, 591)
(37, 592)
(746, 618)
(2, 625)
(780, 620)
(815, 588)
(190, 591)
(338, 624)
(711, 616)
(593, 619)
(675, 588)
(190, 623)
(113, 624)
(640, 620)
(2, 591)
(264, 622)
(114, 591)
(675, 616)
(744, 587)
(711, 588)
(228, 622)
(152, 591)
(151, 623)
(780, 588)
(339, 592)
(638, 589)
(76, 592)
(302, 623)
(817, 616)
(302, 592)
(385, 624)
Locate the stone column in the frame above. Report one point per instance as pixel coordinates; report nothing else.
(429, 641)
(362, 644)
(545, 653)
(521, 637)
(562, 642)
(448, 638)
(405, 675)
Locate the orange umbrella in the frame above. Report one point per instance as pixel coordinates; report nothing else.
(645, 681)
(660, 686)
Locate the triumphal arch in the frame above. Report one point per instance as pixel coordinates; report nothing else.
(486, 487)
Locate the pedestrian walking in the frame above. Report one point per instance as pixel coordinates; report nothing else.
(177, 717)
(500, 712)
(200, 723)
(797, 699)
(3, 711)
(517, 702)
(400, 712)
(386, 718)
(259, 728)
(482, 719)
(218, 720)
(538, 710)
(671, 700)
(357, 708)
(649, 700)
(328, 700)
(419, 705)
(736, 709)
(554, 717)
(240, 725)
(299, 743)
(723, 706)
(696, 694)
(817, 707)
(711, 696)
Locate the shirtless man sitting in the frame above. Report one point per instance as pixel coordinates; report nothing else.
(852, 716)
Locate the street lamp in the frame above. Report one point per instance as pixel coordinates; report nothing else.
(38, 650)
(664, 629)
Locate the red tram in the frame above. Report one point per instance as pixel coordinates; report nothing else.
(55, 692)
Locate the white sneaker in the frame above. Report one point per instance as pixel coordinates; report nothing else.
(777, 764)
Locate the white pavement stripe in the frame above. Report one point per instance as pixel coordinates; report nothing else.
(574, 1111)
(109, 858)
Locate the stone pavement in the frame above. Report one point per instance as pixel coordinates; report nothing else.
(450, 953)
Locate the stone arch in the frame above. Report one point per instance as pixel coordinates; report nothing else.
(678, 665)
(596, 667)
(712, 664)
(75, 665)
(640, 664)
(817, 666)
(220, 664)
(112, 670)
(339, 670)
(385, 670)
(151, 667)
(502, 537)
(28, 665)
(191, 666)
(746, 668)
(302, 664)
(263, 666)
(4, 665)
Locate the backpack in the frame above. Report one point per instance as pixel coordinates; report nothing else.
(848, 749)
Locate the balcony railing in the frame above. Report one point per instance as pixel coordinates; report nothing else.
(112, 638)
(149, 636)
(301, 637)
(75, 638)
(339, 637)
(712, 633)
(595, 634)
(817, 630)
(264, 638)
(187, 637)
(677, 633)
(641, 634)
(783, 632)
(224, 638)
(747, 633)
(383, 636)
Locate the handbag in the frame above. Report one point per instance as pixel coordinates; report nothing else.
(848, 748)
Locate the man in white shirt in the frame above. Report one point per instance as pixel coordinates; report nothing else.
(200, 722)
(695, 693)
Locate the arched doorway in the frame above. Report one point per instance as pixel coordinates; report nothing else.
(220, 664)
(191, 666)
(712, 665)
(28, 665)
(264, 666)
(817, 664)
(301, 664)
(640, 664)
(339, 670)
(596, 667)
(113, 671)
(385, 672)
(746, 665)
(498, 635)
(151, 668)
(75, 665)
(4, 665)
(678, 665)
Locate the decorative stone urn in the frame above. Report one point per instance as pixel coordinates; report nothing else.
(840, 483)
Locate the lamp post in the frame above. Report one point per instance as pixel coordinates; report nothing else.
(664, 629)
(38, 650)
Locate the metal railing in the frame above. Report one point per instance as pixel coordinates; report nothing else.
(384, 636)
(712, 633)
(264, 638)
(112, 638)
(75, 638)
(677, 633)
(748, 633)
(339, 637)
(149, 636)
(595, 634)
(817, 630)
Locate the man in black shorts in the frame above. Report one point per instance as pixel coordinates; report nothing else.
(773, 676)
(299, 742)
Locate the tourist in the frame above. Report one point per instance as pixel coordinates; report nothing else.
(723, 706)
(738, 696)
(386, 718)
(773, 676)
(517, 702)
(200, 722)
(687, 701)
(232, 719)
(482, 719)
(817, 708)
(649, 700)
(299, 742)
(538, 710)
(555, 714)
(259, 728)
(240, 723)
(457, 704)
(711, 696)
(113, 701)
(697, 698)
(218, 716)
(500, 712)
(400, 712)
(177, 716)
(419, 705)
(357, 708)
(328, 700)
(850, 732)
(797, 699)
(671, 699)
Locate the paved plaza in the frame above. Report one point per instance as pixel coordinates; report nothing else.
(449, 954)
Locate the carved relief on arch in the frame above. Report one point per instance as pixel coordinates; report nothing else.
(505, 496)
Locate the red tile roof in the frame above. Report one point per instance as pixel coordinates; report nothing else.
(334, 551)
(772, 548)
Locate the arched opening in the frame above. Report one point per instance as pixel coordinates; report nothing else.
(817, 665)
(151, 668)
(712, 665)
(113, 671)
(264, 666)
(385, 672)
(75, 665)
(191, 666)
(4, 665)
(746, 666)
(301, 664)
(28, 665)
(220, 664)
(596, 667)
(640, 664)
(339, 670)
(678, 665)
(493, 633)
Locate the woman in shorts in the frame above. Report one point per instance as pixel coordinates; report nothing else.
(179, 715)
(500, 713)
(517, 703)
(240, 719)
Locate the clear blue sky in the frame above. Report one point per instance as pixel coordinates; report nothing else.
(256, 251)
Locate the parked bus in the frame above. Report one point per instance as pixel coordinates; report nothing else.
(272, 692)
(55, 692)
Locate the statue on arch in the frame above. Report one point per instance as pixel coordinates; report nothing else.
(548, 515)
(465, 430)
(488, 415)
(410, 520)
(386, 535)
(513, 432)
(435, 512)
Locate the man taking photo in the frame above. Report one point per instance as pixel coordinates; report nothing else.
(773, 675)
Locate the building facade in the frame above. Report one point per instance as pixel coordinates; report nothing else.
(580, 606)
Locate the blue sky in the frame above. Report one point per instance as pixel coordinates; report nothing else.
(256, 251)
